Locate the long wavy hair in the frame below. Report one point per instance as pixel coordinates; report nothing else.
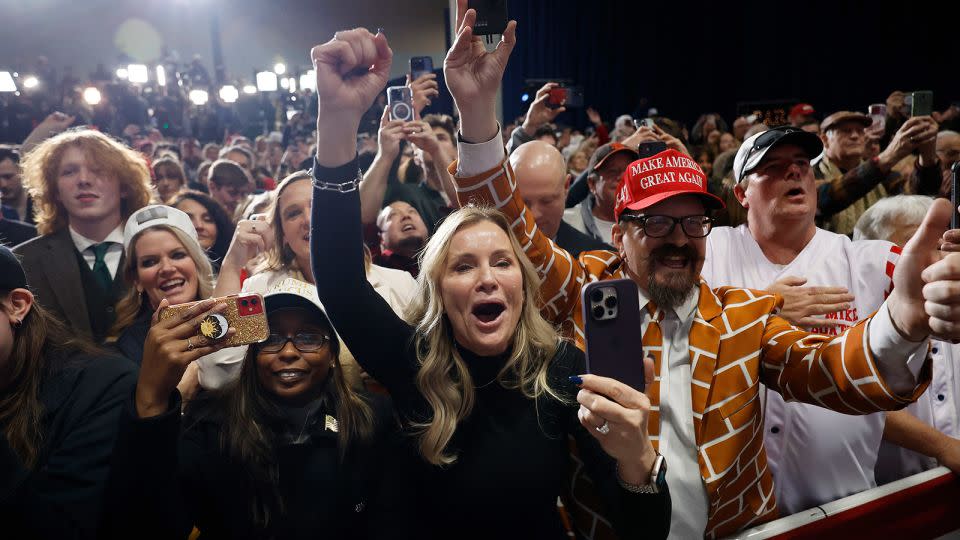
(251, 419)
(133, 302)
(443, 377)
(38, 340)
(280, 256)
(41, 168)
(225, 227)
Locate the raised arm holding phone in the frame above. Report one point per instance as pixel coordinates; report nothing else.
(481, 381)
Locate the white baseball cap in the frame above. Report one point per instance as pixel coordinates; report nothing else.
(293, 293)
(157, 214)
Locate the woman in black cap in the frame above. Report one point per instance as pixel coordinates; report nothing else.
(59, 401)
(288, 450)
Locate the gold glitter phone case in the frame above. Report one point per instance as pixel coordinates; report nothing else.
(245, 312)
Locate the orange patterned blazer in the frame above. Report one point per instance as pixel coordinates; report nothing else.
(737, 342)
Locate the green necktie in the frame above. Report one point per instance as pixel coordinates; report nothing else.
(100, 270)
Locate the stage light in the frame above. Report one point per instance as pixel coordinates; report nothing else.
(229, 94)
(249, 89)
(524, 97)
(267, 81)
(30, 82)
(91, 95)
(308, 81)
(6, 82)
(284, 83)
(292, 84)
(122, 73)
(199, 97)
(279, 68)
(137, 73)
(161, 76)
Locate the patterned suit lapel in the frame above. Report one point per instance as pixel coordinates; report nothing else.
(704, 348)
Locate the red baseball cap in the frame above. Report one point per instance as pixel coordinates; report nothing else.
(650, 180)
(802, 109)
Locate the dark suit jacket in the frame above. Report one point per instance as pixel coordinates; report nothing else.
(50, 262)
(575, 241)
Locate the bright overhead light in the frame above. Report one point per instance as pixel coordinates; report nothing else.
(279, 68)
(308, 80)
(229, 94)
(161, 76)
(199, 97)
(284, 83)
(267, 81)
(30, 82)
(137, 73)
(6, 82)
(121, 73)
(250, 89)
(292, 84)
(91, 95)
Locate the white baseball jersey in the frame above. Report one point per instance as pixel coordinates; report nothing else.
(816, 455)
(939, 407)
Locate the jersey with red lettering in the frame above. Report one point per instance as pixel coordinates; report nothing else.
(816, 455)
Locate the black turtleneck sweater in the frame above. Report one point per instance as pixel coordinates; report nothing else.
(512, 452)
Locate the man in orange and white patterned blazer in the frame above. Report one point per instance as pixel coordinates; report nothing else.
(712, 348)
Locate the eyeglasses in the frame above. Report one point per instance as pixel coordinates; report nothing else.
(303, 342)
(659, 226)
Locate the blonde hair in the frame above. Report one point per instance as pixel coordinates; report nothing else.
(128, 307)
(443, 377)
(279, 256)
(41, 171)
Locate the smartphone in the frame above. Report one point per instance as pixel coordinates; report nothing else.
(491, 16)
(611, 317)
(954, 195)
(557, 97)
(921, 103)
(878, 113)
(419, 66)
(652, 148)
(643, 122)
(244, 311)
(400, 103)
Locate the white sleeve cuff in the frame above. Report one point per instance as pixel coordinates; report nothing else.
(890, 350)
(481, 157)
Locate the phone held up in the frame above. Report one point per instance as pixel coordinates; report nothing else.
(245, 312)
(492, 16)
(420, 66)
(611, 316)
(400, 103)
(921, 103)
(565, 96)
(955, 195)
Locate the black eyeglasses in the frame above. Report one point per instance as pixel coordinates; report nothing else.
(303, 342)
(659, 226)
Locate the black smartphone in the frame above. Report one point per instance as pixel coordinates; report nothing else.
(419, 66)
(652, 148)
(922, 104)
(954, 195)
(611, 317)
(491, 16)
(400, 103)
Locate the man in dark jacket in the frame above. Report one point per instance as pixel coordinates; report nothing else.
(543, 182)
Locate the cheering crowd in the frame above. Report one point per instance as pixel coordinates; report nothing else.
(422, 371)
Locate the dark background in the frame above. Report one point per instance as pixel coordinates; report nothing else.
(687, 58)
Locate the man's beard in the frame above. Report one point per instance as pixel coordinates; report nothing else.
(410, 245)
(677, 286)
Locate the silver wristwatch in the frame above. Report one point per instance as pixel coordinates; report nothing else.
(658, 478)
